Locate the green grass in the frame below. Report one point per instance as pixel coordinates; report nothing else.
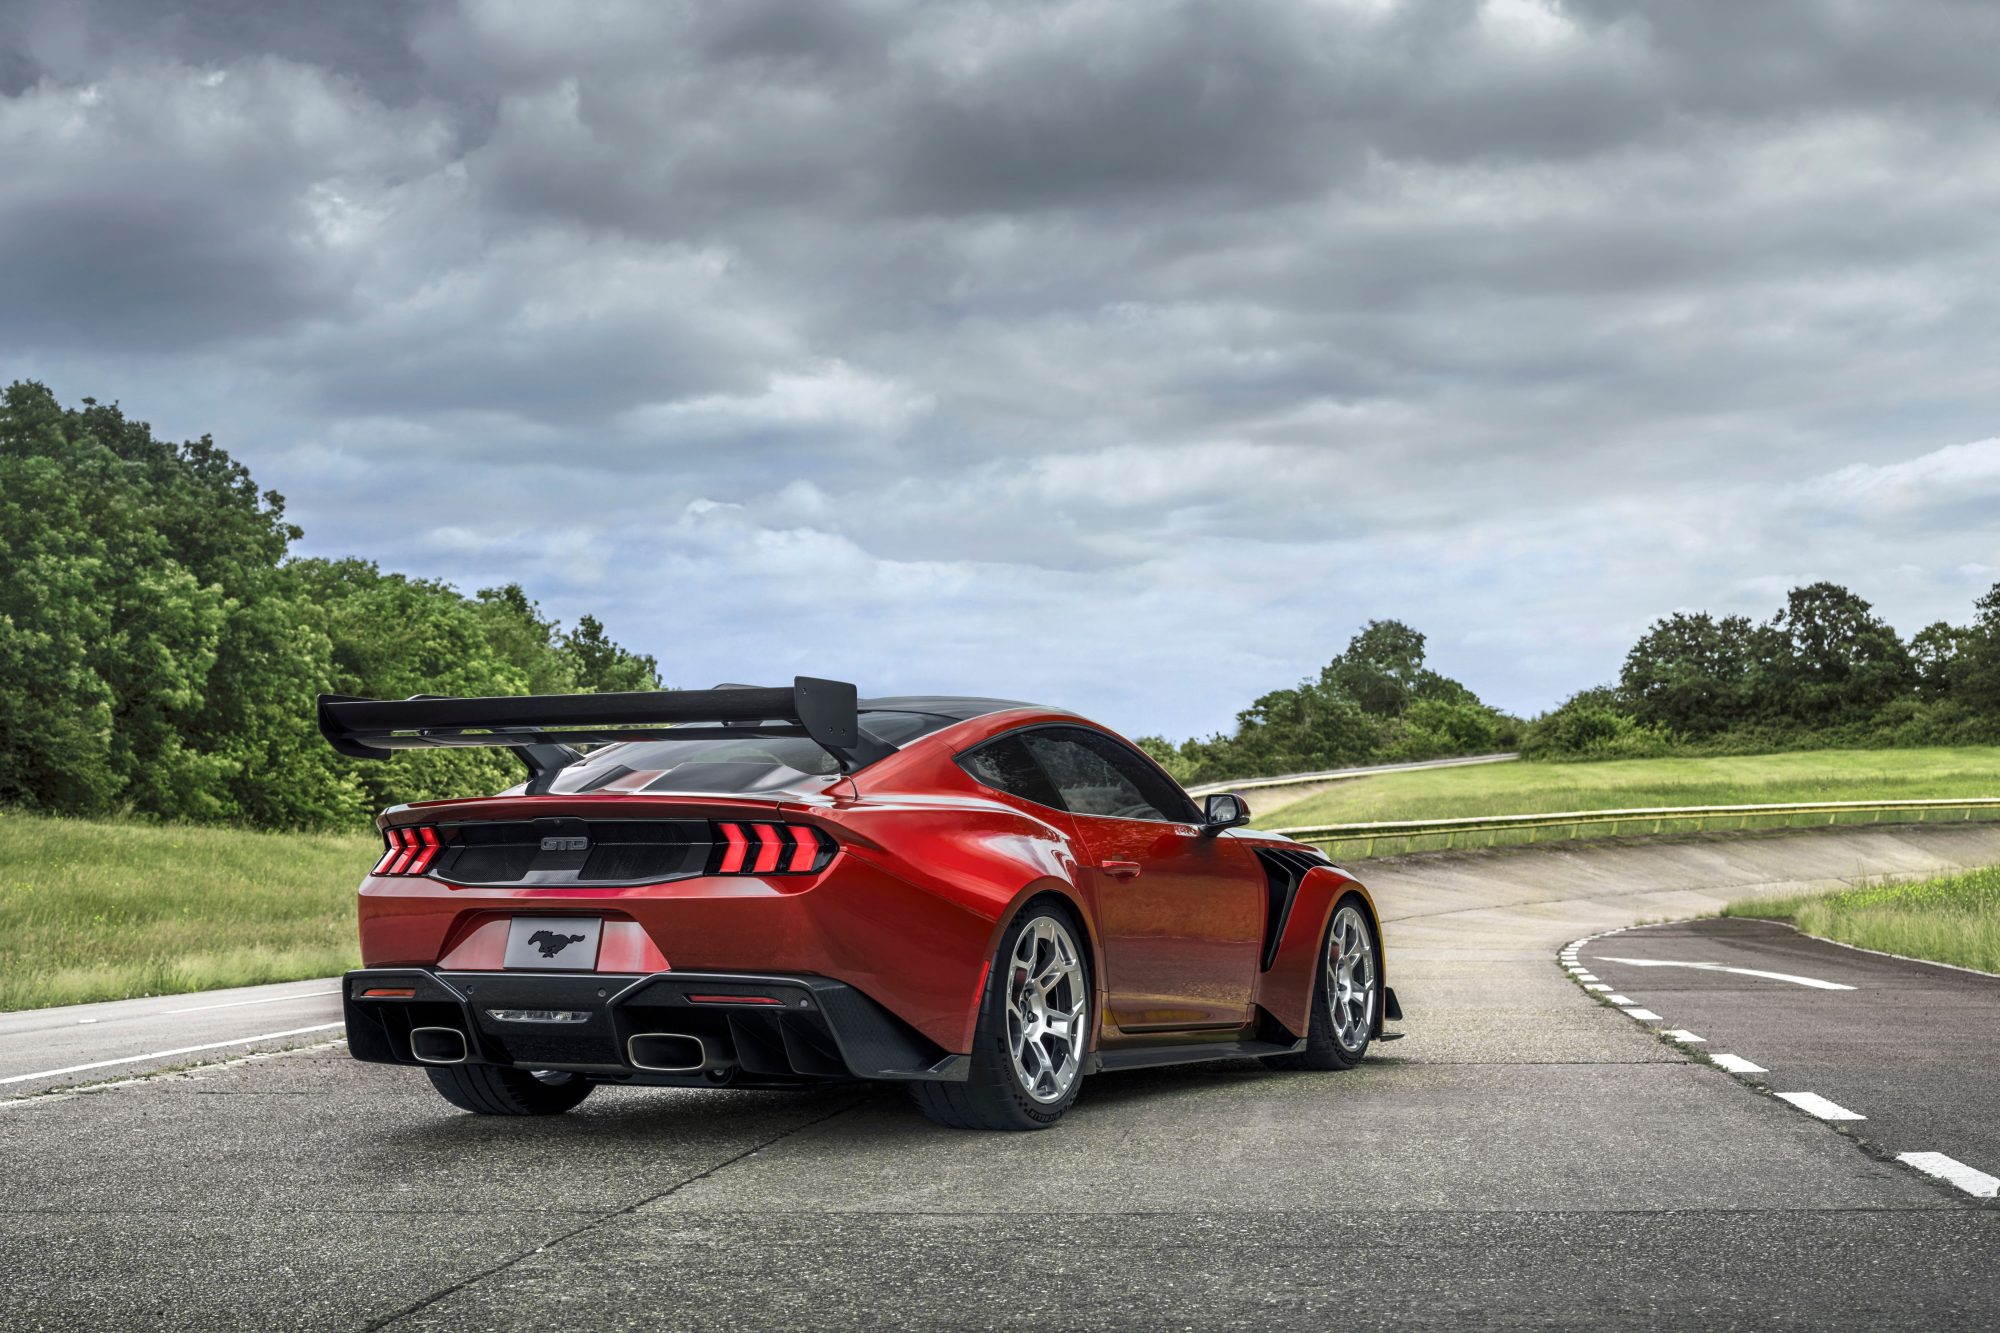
(1955, 919)
(106, 911)
(1529, 787)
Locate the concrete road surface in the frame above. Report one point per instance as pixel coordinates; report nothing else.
(1526, 1158)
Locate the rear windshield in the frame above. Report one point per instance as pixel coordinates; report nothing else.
(752, 764)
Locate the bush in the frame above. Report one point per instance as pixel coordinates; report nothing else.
(1591, 725)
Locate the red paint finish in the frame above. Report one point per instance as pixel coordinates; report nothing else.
(1182, 918)
(929, 867)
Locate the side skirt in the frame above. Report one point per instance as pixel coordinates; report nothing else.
(1147, 1057)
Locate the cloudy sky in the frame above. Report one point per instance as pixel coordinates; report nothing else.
(1123, 355)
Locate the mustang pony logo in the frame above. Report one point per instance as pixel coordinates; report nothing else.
(553, 943)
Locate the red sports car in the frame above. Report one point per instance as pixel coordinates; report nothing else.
(771, 888)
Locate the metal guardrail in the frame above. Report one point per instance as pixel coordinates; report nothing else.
(1610, 823)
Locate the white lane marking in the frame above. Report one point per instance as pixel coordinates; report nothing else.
(92, 1089)
(1643, 1015)
(86, 1020)
(1682, 1034)
(1814, 982)
(1814, 1104)
(1620, 999)
(235, 1004)
(1600, 986)
(161, 1055)
(1736, 1064)
(1585, 976)
(1976, 1183)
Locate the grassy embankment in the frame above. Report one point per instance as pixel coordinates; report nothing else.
(103, 911)
(1527, 787)
(1955, 919)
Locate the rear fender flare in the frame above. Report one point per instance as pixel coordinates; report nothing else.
(1066, 894)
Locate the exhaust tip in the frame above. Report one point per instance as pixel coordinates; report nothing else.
(438, 1046)
(666, 1052)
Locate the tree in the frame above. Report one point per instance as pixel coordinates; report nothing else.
(159, 650)
(1691, 673)
(1935, 653)
(1826, 657)
(1382, 669)
(1975, 675)
(601, 666)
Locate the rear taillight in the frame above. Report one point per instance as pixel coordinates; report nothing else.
(744, 848)
(410, 850)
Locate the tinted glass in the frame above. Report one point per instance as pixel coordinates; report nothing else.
(1005, 765)
(1101, 776)
(754, 763)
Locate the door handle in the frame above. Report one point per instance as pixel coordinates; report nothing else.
(1120, 870)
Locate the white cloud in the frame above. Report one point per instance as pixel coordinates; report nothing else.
(1126, 356)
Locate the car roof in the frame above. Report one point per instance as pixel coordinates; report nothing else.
(959, 708)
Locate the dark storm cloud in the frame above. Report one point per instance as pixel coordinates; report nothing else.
(934, 333)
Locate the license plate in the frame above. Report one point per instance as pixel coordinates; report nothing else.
(553, 943)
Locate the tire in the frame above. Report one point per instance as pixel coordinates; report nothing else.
(492, 1090)
(1033, 1036)
(1347, 997)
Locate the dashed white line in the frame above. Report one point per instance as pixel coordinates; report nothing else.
(1736, 1064)
(1814, 1104)
(1620, 1000)
(1599, 986)
(1585, 976)
(161, 1055)
(1643, 1015)
(1814, 982)
(1976, 1183)
(1683, 1035)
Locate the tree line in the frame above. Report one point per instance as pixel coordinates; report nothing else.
(1825, 670)
(1375, 702)
(160, 646)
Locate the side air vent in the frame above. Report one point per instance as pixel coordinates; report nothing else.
(1285, 868)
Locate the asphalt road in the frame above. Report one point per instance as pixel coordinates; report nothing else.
(1526, 1158)
(51, 1048)
(1913, 1049)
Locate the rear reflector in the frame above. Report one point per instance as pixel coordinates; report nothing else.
(389, 993)
(743, 848)
(732, 999)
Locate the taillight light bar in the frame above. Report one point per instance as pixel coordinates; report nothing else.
(411, 850)
(745, 848)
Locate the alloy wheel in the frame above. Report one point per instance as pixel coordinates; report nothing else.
(1047, 1009)
(1351, 979)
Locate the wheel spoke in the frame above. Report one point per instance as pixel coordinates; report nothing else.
(1046, 1009)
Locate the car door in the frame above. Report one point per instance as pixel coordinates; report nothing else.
(1180, 915)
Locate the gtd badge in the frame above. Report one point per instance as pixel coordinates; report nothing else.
(565, 844)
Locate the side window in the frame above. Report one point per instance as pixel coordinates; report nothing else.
(1005, 765)
(1100, 776)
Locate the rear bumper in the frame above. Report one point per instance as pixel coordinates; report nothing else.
(753, 1030)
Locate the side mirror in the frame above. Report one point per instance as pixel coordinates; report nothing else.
(1225, 809)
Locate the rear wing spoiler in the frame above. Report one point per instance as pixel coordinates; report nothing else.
(543, 727)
